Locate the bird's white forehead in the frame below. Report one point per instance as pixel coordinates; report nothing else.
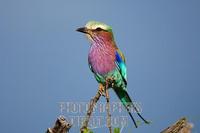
(94, 24)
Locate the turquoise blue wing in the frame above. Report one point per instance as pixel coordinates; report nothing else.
(121, 65)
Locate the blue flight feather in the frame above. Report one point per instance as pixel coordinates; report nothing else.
(121, 66)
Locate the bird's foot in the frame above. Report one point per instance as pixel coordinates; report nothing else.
(102, 90)
(109, 82)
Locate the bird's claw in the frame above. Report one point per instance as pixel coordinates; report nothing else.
(109, 82)
(102, 93)
(102, 88)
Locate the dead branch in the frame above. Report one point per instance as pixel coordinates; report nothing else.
(93, 102)
(108, 111)
(181, 126)
(61, 126)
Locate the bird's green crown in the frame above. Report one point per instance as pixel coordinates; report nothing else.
(94, 25)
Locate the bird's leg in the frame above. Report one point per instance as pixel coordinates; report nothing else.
(108, 111)
(101, 90)
(109, 82)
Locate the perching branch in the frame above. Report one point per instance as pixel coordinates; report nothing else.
(181, 126)
(93, 102)
(108, 111)
(61, 126)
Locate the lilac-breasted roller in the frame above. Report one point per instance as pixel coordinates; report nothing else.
(107, 62)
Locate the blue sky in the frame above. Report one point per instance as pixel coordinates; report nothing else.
(43, 60)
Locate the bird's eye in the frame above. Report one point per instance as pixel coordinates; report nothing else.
(98, 29)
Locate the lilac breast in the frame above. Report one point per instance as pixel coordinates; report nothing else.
(102, 60)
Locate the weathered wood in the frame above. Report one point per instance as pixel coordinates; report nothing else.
(61, 126)
(108, 111)
(92, 103)
(181, 126)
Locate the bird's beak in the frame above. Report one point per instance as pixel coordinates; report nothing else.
(83, 30)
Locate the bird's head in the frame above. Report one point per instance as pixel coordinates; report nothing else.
(97, 31)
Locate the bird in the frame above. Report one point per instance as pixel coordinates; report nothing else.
(108, 64)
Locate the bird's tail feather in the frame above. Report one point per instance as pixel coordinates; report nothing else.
(128, 104)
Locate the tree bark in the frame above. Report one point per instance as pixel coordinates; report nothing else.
(93, 102)
(61, 126)
(181, 126)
